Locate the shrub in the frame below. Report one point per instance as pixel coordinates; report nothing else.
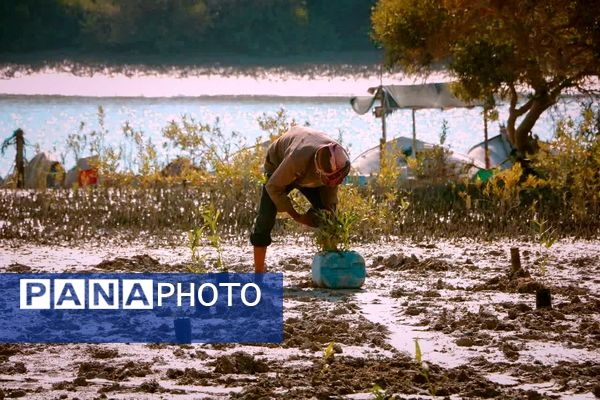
(561, 185)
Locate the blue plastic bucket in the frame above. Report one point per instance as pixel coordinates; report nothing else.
(338, 270)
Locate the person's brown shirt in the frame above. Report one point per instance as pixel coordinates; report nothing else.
(290, 161)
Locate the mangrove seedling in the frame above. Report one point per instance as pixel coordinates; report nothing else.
(423, 367)
(327, 357)
(211, 215)
(334, 230)
(546, 237)
(194, 239)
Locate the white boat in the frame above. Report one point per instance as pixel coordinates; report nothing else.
(367, 165)
(499, 152)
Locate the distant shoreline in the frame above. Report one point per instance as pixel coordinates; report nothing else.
(363, 63)
(176, 99)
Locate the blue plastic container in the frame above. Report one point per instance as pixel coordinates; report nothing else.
(338, 270)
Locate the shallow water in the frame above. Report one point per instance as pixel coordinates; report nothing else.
(50, 105)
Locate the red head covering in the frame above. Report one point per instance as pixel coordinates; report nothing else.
(339, 164)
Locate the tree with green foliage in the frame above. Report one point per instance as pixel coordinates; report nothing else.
(267, 26)
(497, 48)
(257, 27)
(162, 26)
(31, 25)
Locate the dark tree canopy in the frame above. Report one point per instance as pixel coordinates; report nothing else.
(251, 27)
(497, 47)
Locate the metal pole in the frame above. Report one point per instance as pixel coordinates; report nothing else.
(485, 141)
(414, 141)
(20, 158)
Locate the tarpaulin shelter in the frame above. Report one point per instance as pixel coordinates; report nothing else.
(44, 171)
(413, 97)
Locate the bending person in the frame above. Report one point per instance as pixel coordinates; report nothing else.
(302, 159)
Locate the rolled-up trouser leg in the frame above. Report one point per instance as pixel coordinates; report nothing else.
(265, 220)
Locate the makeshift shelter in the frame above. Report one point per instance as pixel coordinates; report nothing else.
(413, 97)
(44, 171)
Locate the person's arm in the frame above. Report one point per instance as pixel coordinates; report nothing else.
(283, 176)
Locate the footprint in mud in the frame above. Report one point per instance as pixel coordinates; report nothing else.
(294, 264)
(152, 386)
(71, 386)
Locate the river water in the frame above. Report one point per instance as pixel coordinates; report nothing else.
(49, 105)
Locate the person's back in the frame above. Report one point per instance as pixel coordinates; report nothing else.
(301, 141)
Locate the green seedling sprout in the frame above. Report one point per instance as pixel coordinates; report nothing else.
(546, 236)
(194, 239)
(211, 216)
(379, 393)
(328, 353)
(327, 357)
(423, 367)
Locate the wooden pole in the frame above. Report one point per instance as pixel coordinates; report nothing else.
(515, 259)
(414, 134)
(20, 158)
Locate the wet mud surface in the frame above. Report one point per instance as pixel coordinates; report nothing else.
(476, 321)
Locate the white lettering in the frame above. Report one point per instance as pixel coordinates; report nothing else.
(34, 294)
(201, 297)
(258, 294)
(103, 294)
(229, 287)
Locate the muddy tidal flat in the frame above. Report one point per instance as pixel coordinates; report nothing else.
(477, 325)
